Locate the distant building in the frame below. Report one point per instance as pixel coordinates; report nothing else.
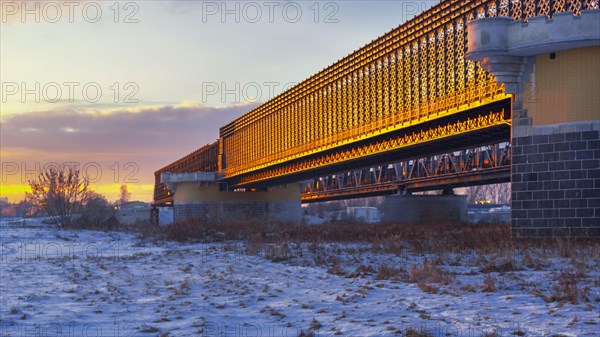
(133, 211)
(482, 213)
(358, 214)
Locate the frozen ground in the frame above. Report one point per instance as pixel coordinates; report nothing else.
(86, 283)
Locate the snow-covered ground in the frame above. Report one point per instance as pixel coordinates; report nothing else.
(85, 283)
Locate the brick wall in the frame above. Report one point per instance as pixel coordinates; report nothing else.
(556, 184)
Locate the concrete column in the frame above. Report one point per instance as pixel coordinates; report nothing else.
(425, 208)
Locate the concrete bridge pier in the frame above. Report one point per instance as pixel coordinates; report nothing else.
(407, 208)
(552, 69)
(200, 196)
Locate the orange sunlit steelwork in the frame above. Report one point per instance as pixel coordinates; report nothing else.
(203, 159)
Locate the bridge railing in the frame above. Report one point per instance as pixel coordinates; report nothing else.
(414, 73)
(468, 98)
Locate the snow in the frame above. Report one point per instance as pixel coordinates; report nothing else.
(86, 283)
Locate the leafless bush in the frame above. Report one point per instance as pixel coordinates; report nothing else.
(96, 211)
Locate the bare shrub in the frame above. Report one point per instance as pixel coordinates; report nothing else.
(96, 211)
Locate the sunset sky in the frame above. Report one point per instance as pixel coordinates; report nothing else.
(124, 88)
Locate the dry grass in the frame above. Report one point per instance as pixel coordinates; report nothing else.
(184, 287)
(488, 246)
(394, 238)
(500, 266)
(567, 287)
(386, 237)
(429, 273)
(489, 284)
(389, 272)
(277, 252)
(428, 288)
(490, 334)
(410, 332)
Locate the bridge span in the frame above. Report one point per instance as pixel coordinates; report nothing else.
(466, 93)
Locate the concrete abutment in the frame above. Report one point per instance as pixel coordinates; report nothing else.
(205, 201)
(552, 69)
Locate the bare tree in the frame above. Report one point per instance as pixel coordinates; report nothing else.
(61, 192)
(495, 193)
(96, 210)
(475, 193)
(125, 195)
(500, 193)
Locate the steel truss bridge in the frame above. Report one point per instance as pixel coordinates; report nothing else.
(482, 165)
(406, 111)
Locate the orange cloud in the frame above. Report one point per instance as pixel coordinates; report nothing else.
(120, 146)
